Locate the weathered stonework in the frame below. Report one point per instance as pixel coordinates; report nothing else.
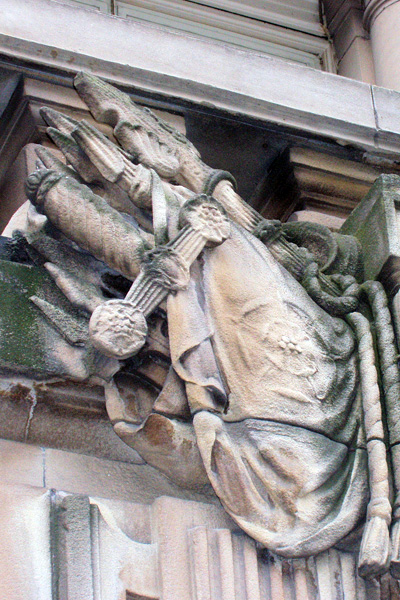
(263, 395)
(87, 408)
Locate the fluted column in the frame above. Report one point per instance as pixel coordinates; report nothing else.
(382, 20)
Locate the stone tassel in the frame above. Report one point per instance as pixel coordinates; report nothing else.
(386, 343)
(375, 544)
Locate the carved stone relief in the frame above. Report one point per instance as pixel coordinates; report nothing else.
(264, 380)
(201, 557)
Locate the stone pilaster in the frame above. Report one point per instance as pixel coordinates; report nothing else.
(382, 21)
(344, 21)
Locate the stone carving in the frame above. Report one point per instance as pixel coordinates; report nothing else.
(268, 387)
(118, 327)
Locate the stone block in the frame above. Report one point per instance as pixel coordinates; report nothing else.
(334, 11)
(132, 519)
(81, 474)
(25, 563)
(313, 216)
(93, 558)
(20, 130)
(30, 344)
(21, 464)
(13, 189)
(348, 30)
(63, 415)
(55, 423)
(358, 62)
(203, 556)
(317, 181)
(375, 224)
(16, 403)
(227, 78)
(12, 116)
(73, 541)
(27, 329)
(171, 536)
(387, 109)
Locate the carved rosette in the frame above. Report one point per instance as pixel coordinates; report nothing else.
(226, 447)
(207, 216)
(118, 327)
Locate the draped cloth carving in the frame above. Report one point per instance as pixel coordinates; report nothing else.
(272, 393)
(272, 383)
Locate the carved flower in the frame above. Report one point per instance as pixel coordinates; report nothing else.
(203, 213)
(289, 348)
(278, 340)
(117, 329)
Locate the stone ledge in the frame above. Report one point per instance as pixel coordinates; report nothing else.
(23, 465)
(59, 415)
(178, 65)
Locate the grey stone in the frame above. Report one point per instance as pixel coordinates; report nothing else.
(25, 556)
(339, 108)
(80, 474)
(73, 570)
(21, 464)
(374, 223)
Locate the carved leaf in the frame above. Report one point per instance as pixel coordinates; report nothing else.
(140, 131)
(148, 148)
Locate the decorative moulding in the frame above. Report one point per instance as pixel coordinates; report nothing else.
(241, 82)
(102, 5)
(200, 422)
(373, 10)
(201, 557)
(301, 16)
(301, 178)
(184, 387)
(257, 34)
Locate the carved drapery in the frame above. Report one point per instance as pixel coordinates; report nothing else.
(269, 388)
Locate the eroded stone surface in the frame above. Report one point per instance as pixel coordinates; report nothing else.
(270, 365)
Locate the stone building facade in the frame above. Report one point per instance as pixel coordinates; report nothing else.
(300, 101)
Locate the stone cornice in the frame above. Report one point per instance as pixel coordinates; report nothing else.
(373, 9)
(177, 65)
